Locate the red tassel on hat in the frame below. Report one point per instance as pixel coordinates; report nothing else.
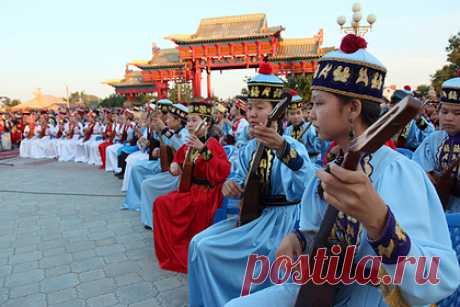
(458, 73)
(407, 88)
(265, 68)
(293, 93)
(352, 43)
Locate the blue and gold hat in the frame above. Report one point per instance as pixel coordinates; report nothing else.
(451, 90)
(179, 110)
(296, 101)
(351, 71)
(200, 107)
(164, 105)
(265, 85)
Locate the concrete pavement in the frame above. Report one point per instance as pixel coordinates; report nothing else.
(79, 250)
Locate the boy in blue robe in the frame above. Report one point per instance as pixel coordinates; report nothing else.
(218, 255)
(174, 135)
(442, 148)
(416, 130)
(376, 202)
(314, 145)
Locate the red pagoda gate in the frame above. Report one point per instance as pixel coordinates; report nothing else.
(234, 42)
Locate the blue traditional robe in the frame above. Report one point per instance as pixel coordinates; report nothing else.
(157, 183)
(145, 169)
(414, 135)
(218, 255)
(242, 136)
(315, 146)
(406, 190)
(436, 153)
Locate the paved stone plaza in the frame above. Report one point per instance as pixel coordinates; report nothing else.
(75, 250)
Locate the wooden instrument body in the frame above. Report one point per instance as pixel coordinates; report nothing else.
(31, 132)
(166, 156)
(312, 295)
(444, 182)
(88, 132)
(109, 132)
(124, 134)
(43, 130)
(71, 131)
(251, 201)
(187, 167)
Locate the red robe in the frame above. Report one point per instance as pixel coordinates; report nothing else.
(109, 131)
(177, 216)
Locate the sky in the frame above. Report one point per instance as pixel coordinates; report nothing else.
(51, 44)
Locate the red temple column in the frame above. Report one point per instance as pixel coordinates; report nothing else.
(196, 80)
(162, 89)
(208, 71)
(130, 97)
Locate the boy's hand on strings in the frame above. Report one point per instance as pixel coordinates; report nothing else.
(232, 189)
(352, 193)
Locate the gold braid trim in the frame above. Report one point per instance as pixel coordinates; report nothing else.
(346, 93)
(391, 294)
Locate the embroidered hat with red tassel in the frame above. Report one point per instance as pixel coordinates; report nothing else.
(351, 71)
(296, 101)
(265, 85)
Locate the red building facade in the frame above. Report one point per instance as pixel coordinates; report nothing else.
(223, 43)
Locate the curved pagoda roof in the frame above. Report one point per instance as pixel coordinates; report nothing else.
(300, 49)
(161, 58)
(132, 83)
(228, 28)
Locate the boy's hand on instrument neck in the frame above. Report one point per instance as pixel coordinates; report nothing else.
(175, 169)
(353, 193)
(194, 142)
(290, 246)
(156, 153)
(268, 136)
(232, 189)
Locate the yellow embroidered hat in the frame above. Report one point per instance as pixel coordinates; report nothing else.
(351, 71)
(451, 90)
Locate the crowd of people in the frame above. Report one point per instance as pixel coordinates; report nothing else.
(179, 162)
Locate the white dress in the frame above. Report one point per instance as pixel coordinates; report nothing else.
(68, 146)
(80, 154)
(59, 139)
(37, 151)
(25, 147)
(92, 145)
(111, 157)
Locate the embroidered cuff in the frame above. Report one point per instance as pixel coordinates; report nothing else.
(206, 153)
(290, 157)
(393, 243)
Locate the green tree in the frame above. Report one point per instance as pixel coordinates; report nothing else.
(423, 90)
(112, 101)
(8, 102)
(302, 84)
(453, 64)
(181, 92)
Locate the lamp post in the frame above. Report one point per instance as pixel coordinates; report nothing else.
(355, 27)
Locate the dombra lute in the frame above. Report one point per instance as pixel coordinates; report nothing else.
(251, 202)
(310, 294)
(187, 167)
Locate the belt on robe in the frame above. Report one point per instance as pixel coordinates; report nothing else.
(278, 201)
(199, 181)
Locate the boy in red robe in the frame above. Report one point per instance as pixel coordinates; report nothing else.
(179, 215)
